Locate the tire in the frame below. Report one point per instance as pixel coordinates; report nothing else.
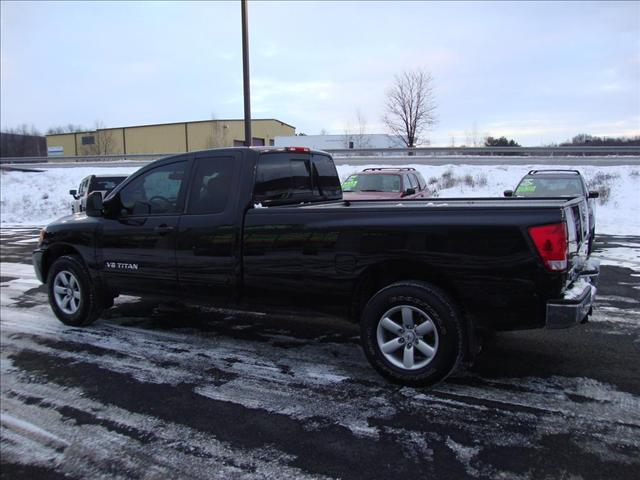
(72, 294)
(438, 325)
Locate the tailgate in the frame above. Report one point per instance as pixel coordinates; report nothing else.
(576, 213)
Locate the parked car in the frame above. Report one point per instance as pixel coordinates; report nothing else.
(560, 183)
(93, 183)
(384, 183)
(266, 229)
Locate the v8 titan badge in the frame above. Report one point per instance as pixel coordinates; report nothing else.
(121, 266)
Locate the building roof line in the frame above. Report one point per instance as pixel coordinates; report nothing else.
(176, 123)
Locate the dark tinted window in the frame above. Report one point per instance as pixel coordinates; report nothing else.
(282, 176)
(105, 183)
(154, 192)
(326, 180)
(89, 140)
(211, 185)
(295, 176)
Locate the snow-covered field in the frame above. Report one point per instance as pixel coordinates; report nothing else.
(28, 198)
(39, 198)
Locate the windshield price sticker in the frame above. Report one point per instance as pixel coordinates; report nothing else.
(527, 186)
(349, 183)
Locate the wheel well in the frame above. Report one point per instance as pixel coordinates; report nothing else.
(379, 276)
(376, 278)
(53, 253)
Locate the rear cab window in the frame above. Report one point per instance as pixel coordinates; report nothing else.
(294, 177)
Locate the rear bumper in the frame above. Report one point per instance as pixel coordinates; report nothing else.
(576, 303)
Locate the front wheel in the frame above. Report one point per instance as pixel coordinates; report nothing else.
(412, 333)
(72, 294)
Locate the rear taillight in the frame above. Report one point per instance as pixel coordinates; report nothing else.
(298, 149)
(551, 242)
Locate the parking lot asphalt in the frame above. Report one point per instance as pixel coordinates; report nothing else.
(161, 391)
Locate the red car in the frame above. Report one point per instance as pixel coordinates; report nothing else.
(384, 183)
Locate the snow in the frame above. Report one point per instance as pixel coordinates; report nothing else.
(619, 216)
(30, 430)
(626, 257)
(38, 198)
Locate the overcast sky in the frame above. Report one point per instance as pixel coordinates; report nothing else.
(536, 72)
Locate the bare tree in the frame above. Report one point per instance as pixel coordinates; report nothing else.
(103, 141)
(357, 137)
(69, 128)
(22, 141)
(410, 107)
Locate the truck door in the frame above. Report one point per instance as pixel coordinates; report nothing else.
(208, 244)
(138, 245)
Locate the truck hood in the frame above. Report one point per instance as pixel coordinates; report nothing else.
(75, 221)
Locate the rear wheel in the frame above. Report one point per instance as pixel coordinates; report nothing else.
(72, 294)
(412, 333)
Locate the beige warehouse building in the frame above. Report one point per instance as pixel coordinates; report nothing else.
(166, 137)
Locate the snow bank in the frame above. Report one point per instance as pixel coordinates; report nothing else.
(620, 215)
(39, 198)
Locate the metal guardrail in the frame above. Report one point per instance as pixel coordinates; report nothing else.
(497, 151)
(86, 158)
(370, 152)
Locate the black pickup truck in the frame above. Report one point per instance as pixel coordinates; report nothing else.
(243, 227)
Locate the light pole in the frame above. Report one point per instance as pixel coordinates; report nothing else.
(245, 74)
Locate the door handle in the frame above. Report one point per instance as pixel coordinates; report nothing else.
(163, 229)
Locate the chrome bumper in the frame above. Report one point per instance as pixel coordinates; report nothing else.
(577, 300)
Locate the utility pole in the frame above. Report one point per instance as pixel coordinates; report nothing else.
(245, 74)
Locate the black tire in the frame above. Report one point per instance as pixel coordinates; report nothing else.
(89, 306)
(444, 316)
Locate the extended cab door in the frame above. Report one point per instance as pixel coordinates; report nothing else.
(137, 242)
(208, 244)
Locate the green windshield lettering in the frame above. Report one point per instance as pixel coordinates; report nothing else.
(527, 186)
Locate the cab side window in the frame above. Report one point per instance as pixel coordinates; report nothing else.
(211, 185)
(83, 187)
(411, 182)
(154, 192)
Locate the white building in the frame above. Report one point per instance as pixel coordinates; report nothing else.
(336, 142)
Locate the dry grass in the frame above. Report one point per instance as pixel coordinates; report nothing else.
(602, 183)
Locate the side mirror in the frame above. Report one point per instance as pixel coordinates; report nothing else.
(94, 205)
(73, 192)
(409, 191)
(508, 193)
(593, 194)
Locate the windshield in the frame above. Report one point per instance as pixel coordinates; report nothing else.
(372, 183)
(549, 187)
